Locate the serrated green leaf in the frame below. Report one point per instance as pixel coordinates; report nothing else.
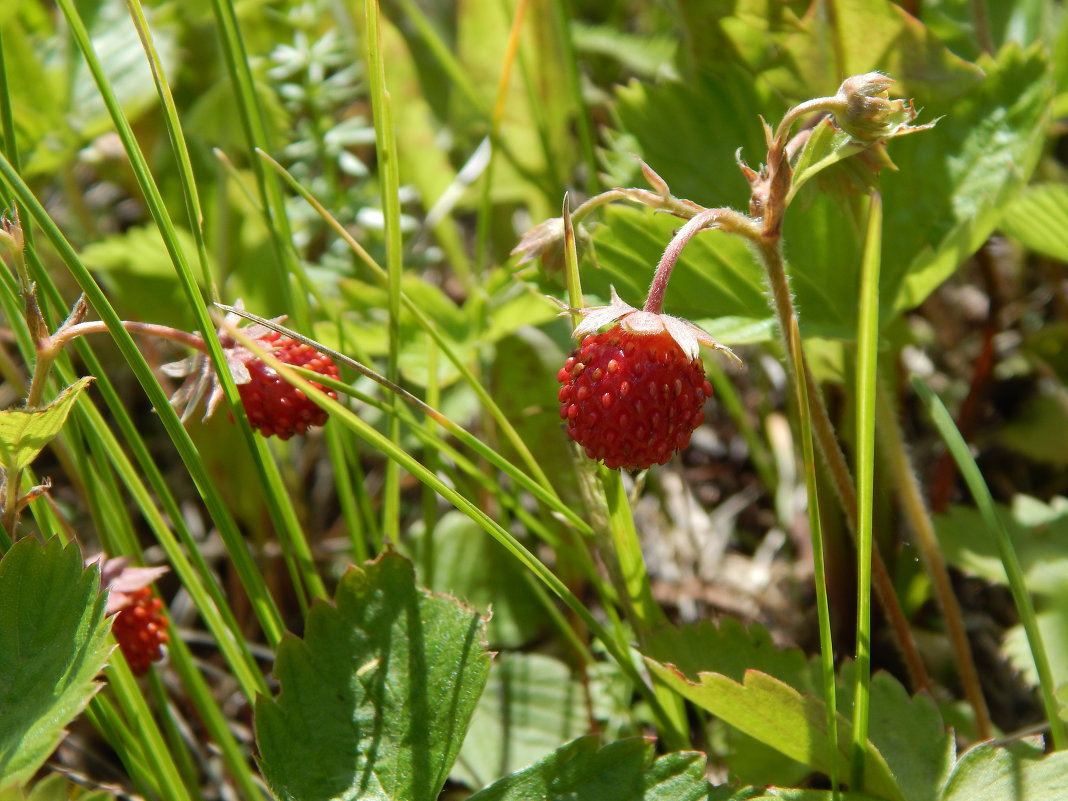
(710, 118)
(908, 732)
(729, 648)
(1038, 219)
(939, 207)
(531, 704)
(626, 770)
(1037, 530)
(24, 433)
(955, 179)
(1021, 773)
(1052, 620)
(377, 696)
(775, 713)
(52, 645)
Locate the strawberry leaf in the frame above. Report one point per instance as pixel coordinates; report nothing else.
(25, 432)
(626, 770)
(377, 696)
(52, 645)
(991, 773)
(775, 713)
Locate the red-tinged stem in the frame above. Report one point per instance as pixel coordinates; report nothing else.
(194, 341)
(727, 220)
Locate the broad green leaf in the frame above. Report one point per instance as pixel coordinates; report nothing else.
(118, 47)
(1017, 773)
(475, 569)
(24, 433)
(1038, 532)
(648, 55)
(52, 645)
(1038, 219)
(908, 732)
(1039, 430)
(729, 648)
(777, 714)
(52, 788)
(138, 273)
(955, 179)
(626, 770)
(1052, 619)
(940, 205)
(377, 696)
(806, 55)
(530, 705)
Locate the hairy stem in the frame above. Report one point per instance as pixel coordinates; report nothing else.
(769, 250)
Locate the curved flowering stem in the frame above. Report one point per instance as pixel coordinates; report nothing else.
(724, 219)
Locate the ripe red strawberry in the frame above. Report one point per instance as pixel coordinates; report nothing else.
(273, 405)
(140, 630)
(633, 395)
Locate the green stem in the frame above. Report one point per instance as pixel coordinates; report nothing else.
(867, 365)
(389, 172)
(819, 569)
(892, 440)
(1010, 561)
(769, 250)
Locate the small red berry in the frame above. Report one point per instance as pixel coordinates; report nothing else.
(273, 405)
(140, 630)
(632, 399)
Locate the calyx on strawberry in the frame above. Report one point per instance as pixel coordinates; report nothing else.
(274, 406)
(632, 395)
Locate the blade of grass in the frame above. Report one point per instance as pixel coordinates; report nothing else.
(266, 611)
(892, 440)
(255, 129)
(270, 619)
(819, 570)
(123, 685)
(487, 401)
(867, 367)
(295, 548)
(969, 470)
(617, 648)
(389, 182)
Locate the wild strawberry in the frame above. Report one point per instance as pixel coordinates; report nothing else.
(140, 630)
(273, 405)
(633, 395)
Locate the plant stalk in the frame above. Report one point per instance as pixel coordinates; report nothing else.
(892, 440)
(769, 250)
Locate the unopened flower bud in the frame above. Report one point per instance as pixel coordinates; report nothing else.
(864, 110)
